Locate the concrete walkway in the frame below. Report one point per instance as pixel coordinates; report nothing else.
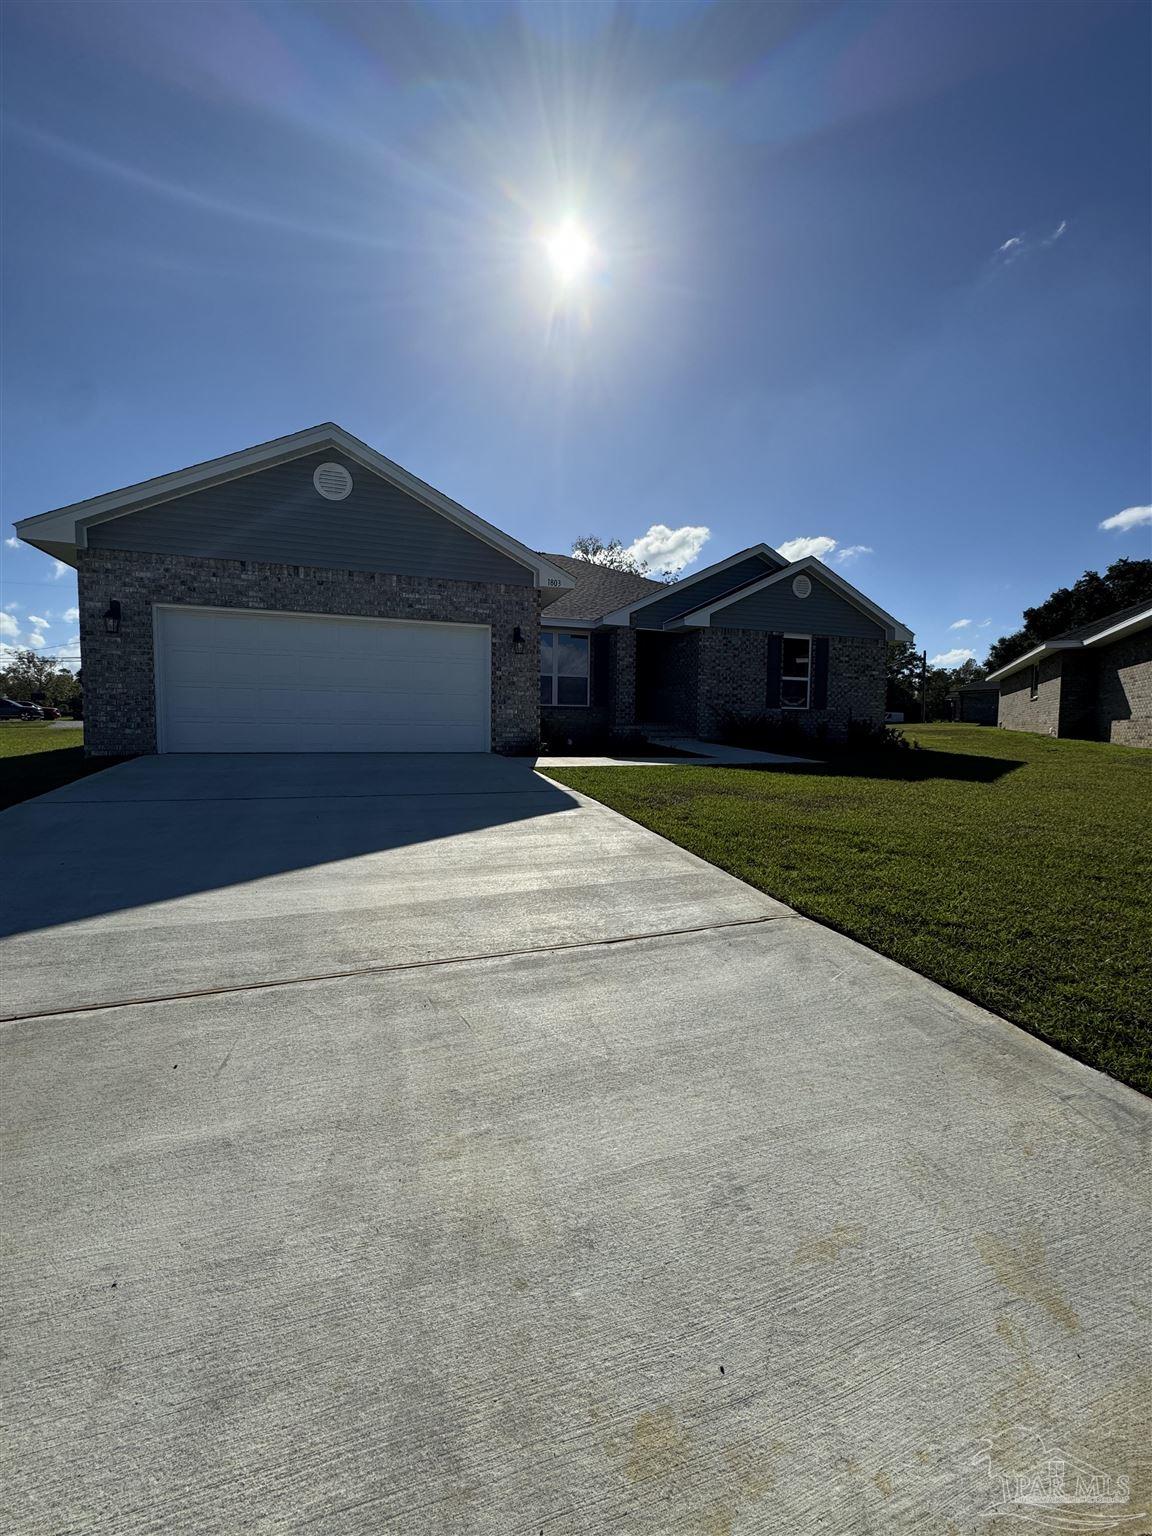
(702, 754)
(582, 1189)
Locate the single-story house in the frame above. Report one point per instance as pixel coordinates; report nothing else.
(975, 703)
(308, 594)
(1094, 682)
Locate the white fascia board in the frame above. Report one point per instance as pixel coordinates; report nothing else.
(624, 615)
(1046, 649)
(1129, 626)
(549, 621)
(701, 618)
(69, 525)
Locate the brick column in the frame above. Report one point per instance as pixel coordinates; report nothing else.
(623, 713)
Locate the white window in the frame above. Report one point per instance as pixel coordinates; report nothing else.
(564, 669)
(795, 671)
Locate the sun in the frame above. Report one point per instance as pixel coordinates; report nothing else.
(570, 250)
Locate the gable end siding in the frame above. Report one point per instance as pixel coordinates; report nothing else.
(683, 598)
(277, 516)
(822, 612)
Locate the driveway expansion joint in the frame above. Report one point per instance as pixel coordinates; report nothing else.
(384, 968)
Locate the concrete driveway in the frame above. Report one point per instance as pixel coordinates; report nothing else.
(410, 1145)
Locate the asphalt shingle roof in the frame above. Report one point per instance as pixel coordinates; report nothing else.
(1086, 631)
(598, 589)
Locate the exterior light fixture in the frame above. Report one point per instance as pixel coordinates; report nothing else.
(518, 641)
(112, 618)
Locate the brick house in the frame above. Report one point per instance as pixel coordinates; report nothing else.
(310, 595)
(974, 703)
(1094, 682)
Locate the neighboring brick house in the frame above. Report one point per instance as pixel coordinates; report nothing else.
(309, 595)
(975, 703)
(1094, 682)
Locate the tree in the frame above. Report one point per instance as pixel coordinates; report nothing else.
(1124, 583)
(903, 675)
(27, 673)
(613, 554)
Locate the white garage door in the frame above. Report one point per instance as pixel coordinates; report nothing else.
(232, 681)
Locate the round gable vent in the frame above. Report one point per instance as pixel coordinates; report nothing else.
(801, 586)
(332, 481)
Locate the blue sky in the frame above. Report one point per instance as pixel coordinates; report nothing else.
(871, 273)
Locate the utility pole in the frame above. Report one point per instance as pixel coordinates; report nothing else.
(924, 687)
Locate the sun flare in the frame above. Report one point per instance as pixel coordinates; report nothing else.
(570, 251)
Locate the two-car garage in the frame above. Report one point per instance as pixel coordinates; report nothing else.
(235, 680)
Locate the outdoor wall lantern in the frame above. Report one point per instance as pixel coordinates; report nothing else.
(518, 641)
(112, 618)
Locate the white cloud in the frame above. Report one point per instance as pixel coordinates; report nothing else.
(1131, 517)
(34, 618)
(36, 640)
(71, 616)
(800, 549)
(952, 658)
(669, 549)
(12, 543)
(851, 551)
(59, 569)
(9, 626)
(11, 607)
(1024, 244)
(984, 623)
(960, 624)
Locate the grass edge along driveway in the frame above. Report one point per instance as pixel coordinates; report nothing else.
(1014, 869)
(34, 758)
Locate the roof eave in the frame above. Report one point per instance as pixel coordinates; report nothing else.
(1129, 626)
(74, 520)
(623, 615)
(894, 631)
(1048, 648)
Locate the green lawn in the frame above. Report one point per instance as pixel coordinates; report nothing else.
(1013, 868)
(35, 759)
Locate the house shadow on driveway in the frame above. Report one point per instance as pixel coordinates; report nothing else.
(155, 829)
(174, 873)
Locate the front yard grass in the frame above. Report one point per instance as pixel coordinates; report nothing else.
(1013, 868)
(34, 759)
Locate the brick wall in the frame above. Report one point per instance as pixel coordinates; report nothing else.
(622, 666)
(1020, 712)
(1124, 697)
(119, 690)
(733, 679)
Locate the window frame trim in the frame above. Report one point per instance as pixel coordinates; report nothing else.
(806, 679)
(574, 634)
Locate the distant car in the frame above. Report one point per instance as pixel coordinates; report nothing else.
(49, 711)
(10, 710)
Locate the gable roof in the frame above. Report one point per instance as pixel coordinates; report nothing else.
(623, 614)
(597, 588)
(893, 629)
(1114, 626)
(61, 533)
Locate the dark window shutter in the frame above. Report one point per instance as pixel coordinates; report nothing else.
(820, 672)
(774, 648)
